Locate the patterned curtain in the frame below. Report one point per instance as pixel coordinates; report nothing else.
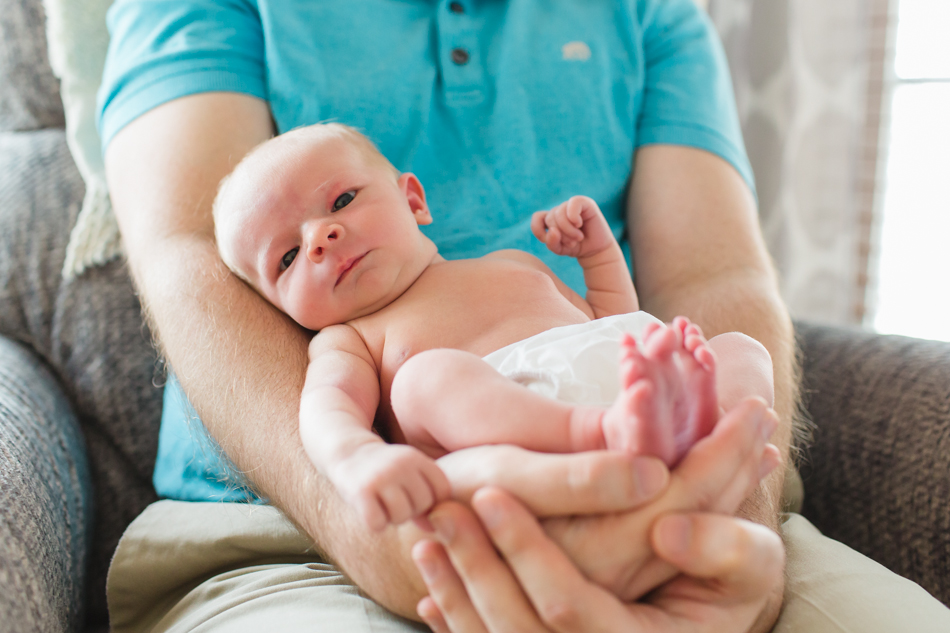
(809, 81)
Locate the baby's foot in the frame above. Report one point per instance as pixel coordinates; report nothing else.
(668, 392)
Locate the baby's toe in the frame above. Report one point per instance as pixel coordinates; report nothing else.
(705, 357)
(663, 342)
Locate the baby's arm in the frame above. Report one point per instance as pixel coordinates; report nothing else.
(386, 483)
(577, 228)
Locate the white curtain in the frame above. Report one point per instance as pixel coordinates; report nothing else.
(808, 77)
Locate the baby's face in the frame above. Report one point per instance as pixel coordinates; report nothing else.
(325, 233)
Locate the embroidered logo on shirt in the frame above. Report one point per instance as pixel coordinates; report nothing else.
(576, 51)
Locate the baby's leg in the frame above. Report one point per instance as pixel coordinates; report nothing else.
(446, 399)
(668, 396)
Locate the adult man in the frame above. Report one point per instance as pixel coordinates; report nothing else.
(506, 105)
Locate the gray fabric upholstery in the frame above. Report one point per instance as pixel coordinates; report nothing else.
(89, 331)
(29, 93)
(46, 524)
(877, 476)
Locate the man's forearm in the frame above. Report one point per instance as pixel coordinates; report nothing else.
(699, 252)
(240, 361)
(243, 365)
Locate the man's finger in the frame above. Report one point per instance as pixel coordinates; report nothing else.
(564, 600)
(557, 484)
(489, 585)
(448, 607)
(428, 610)
(751, 423)
(740, 556)
(733, 448)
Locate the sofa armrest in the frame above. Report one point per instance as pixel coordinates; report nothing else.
(877, 475)
(45, 499)
(88, 330)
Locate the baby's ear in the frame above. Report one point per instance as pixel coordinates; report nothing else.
(416, 197)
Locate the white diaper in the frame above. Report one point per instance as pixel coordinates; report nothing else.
(575, 363)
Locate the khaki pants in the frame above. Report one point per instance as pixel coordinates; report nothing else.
(236, 567)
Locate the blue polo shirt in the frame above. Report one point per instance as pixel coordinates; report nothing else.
(500, 109)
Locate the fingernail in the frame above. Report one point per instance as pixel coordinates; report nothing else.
(422, 556)
(444, 527)
(427, 567)
(489, 513)
(650, 475)
(675, 534)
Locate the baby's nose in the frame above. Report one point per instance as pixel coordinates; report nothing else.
(323, 238)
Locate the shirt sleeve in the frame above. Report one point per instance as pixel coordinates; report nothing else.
(160, 50)
(688, 97)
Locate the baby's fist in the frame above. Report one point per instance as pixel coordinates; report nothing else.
(575, 228)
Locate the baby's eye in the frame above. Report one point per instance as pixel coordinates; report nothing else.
(288, 258)
(344, 200)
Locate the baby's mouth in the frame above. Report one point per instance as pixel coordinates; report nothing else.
(347, 267)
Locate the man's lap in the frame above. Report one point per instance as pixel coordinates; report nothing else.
(184, 566)
(223, 566)
(831, 587)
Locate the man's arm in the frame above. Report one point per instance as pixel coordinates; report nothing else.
(698, 251)
(241, 362)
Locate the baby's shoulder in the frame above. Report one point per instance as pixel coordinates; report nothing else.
(339, 338)
(521, 257)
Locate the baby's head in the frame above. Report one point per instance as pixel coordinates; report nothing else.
(322, 225)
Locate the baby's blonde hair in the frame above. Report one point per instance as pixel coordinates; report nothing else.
(305, 134)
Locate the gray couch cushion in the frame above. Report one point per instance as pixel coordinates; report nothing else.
(45, 499)
(89, 331)
(29, 93)
(877, 476)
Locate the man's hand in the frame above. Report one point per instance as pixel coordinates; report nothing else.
(716, 475)
(605, 529)
(730, 568)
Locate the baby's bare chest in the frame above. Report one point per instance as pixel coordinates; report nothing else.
(477, 306)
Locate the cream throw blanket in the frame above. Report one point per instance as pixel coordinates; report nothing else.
(78, 41)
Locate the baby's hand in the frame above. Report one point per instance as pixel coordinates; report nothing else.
(575, 228)
(390, 483)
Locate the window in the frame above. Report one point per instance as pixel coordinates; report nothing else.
(913, 288)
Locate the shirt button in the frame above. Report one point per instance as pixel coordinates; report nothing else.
(460, 56)
(456, 7)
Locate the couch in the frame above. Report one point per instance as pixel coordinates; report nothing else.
(80, 393)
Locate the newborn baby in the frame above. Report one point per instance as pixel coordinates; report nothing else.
(437, 355)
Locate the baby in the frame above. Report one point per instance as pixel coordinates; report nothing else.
(444, 355)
